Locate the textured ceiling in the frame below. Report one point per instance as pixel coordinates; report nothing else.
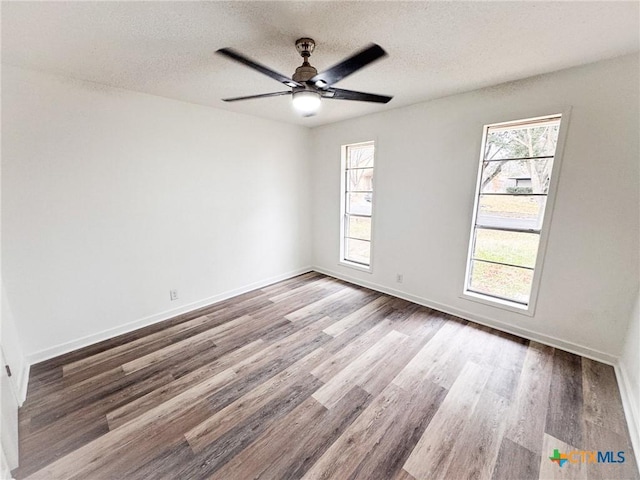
(435, 48)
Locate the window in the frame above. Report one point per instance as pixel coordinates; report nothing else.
(512, 195)
(356, 204)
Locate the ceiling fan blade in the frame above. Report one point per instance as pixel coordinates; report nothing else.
(238, 57)
(262, 95)
(348, 66)
(341, 94)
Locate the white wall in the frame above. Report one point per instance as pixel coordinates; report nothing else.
(426, 167)
(111, 198)
(629, 376)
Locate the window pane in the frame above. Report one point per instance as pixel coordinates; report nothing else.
(359, 227)
(360, 180)
(500, 246)
(518, 142)
(516, 176)
(359, 203)
(357, 250)
(360, 156)
(512, 283)
(511, 211)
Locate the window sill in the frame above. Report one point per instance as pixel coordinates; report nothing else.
(355, 266)
(527, 310)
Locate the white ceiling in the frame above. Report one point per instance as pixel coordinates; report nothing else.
(435, 48)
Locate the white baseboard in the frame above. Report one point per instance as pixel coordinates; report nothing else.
(630, 405)
(23, 382)
(82, 342)
(482, 320)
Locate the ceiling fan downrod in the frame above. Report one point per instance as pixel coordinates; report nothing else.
(305, 71)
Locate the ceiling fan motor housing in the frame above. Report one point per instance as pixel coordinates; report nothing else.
(304, 72)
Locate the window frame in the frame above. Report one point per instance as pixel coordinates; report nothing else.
(343, 206)
(505, 304)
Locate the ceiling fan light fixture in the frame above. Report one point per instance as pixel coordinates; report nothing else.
(306, 102)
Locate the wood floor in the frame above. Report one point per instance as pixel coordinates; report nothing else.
(315, 378)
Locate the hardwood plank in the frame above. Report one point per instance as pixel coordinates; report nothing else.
(551, 470)
(343, 457)
(527, 415)
(305, 287)
(403, 475)
(358, 371)
(58, 446)
(165, 465)
(53, 421)
(142, 450)
(399, 435)
(204, 339)
(432, 455)
(342, 307)
(38, 380)
(291, 283)
(249, 373)
(96, 394)
(474, 343)
(382, 315)
(287, 449)
(216, 454)
(342, 358)
(564, 412)
(350, 320)
(517, 462)
(603, 439)
(112, 448)
(135, 408)
(225, 419)
(148, 341)
(428, 359)
(267, 363)
(401, 304)
(415, 320)
(264, 332)
(88, 388)
(359, 338)
(319, 305)
(602, 403)
(377, 443)
(279, 311)
(507, 364)
(476, 449)
(375, 379)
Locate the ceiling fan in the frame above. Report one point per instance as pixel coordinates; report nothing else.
(307, 85)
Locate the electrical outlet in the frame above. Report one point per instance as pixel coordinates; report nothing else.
(173, 295)
(399, 277)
